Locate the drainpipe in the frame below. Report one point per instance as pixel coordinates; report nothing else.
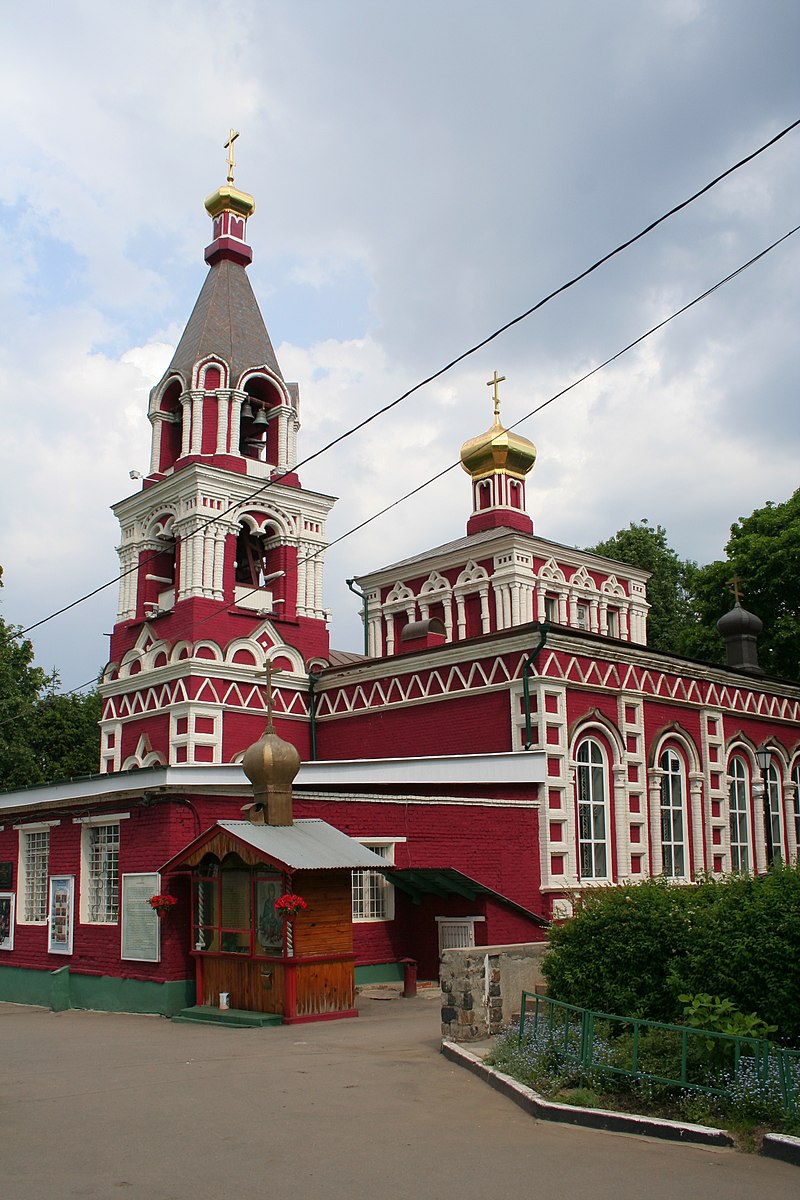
(313, 680)
(350, 583)
(527, 670)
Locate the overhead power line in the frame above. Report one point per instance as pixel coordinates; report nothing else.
(545, 404)
(570, 283)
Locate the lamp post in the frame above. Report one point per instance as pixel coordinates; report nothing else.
(763, 756)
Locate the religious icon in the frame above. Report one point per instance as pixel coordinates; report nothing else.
(269, 931)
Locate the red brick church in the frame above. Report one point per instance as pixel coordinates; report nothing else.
(507, 741)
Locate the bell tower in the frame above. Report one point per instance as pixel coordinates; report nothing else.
(221, 551)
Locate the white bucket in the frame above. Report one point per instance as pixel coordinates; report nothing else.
(224, 1000)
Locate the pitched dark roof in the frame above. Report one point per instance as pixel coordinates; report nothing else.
(226, 322)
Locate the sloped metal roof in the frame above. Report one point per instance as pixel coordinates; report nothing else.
(417, 882)
(307, 844)
(226, 322)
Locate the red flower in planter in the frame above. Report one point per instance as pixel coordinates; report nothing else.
(289, 905)
(162, 903)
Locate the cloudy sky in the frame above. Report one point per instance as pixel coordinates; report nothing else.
(423, 173)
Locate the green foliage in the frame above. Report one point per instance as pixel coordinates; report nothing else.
(616, 954)
(43, 735)
(670, 590)
(635, 950)
(704, 1011)
(764, 553)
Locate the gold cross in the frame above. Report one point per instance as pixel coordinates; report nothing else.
(733, 584)
(494, 382)
(229, 147)
(269, 670)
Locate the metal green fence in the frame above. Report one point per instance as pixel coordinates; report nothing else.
(674, 1055)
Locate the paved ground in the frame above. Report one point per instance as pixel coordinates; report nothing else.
(105, 1105)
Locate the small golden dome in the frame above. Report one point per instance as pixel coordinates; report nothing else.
(230, 199)
(497, 449)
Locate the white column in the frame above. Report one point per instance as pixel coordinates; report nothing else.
(486, 621)
(759, 831)
(237, 400)
(461, 616)
(654, 796)
(220, 539)
(696, 802)
(283, 437)
(209, 543)
(157, 422)
(620, 817)
(624, 632)
(223, 409)
(196, 441)
(186, 423)
(447, 607)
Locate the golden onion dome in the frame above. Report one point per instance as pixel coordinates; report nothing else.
(498, 449)
(230, 199)
(271, 762)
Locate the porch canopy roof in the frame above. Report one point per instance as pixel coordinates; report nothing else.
(308, 844)
(417, 882)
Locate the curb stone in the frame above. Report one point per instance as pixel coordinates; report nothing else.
(775, 1145)
(592, 1118)
(782, 1146)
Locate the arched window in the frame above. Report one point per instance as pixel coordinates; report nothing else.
(739, 815)
(673, 815)
(796, 782)
(592, 788)
(774, 797)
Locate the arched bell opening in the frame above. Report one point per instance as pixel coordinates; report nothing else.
(171, 425)
(258, 436)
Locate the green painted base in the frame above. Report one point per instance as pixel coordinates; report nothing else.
(236, 1018)
(380, 973)
(61, 989)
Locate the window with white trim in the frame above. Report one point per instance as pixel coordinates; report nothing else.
(592, 790)
(373, 895)
(774, 796)
(796, 782)
(100, 881)
(739, 815)
(673, 815)
(34, 859)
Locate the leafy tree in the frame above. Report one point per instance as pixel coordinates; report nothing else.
(764, 554)
(43, 735)
(673, 623)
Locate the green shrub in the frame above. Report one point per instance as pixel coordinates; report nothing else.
(634, 950)
(616, 954)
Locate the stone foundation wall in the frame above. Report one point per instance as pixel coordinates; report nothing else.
(482, 987)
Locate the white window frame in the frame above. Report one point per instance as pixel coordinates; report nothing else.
(796, 808)
(739, 825)
(774, 794)
(372, 883)
(672, 805)
(112, 894)
(43, 874)
(585, 799)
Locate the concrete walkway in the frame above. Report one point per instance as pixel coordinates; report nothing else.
(106, 1105)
